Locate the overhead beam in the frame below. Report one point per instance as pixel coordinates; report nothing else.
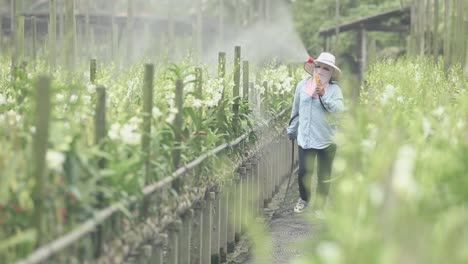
(386, 28)
(357, 24)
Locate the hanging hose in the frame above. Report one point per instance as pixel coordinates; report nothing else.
(291, 171)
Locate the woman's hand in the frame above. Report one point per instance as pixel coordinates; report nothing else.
(319, 86)
(320, 90)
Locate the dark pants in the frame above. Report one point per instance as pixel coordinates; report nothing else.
(306, 169)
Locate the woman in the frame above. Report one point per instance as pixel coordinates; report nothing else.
(317, 100)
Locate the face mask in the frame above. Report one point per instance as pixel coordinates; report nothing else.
(325, 75)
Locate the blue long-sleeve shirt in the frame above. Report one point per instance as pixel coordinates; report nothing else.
(315, 127)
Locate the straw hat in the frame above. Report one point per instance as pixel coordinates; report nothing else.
(323, 58)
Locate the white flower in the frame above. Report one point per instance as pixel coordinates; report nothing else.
(3, 99)
(129, 135)
(197, 103)
(346, 186)
(156, 112)
(173, 110)
(13, 118)
(387, 94)
(329, 252)
(376, 194)
(32, 129)
(60, 97)
(339, 165)
(114, 131)
(87, 99)
(400, 99)
(402, 181)
(426, 125)
(91, 88)
(367, 145)
(55, 160)
(170, 119)
(439, 111)
(73, 98)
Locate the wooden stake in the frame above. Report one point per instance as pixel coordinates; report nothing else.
(185, 238)
(207, 224)
(93, 71)
(146, 135)
(245, 83)
(221, 64)
(70, 46)
(235, 108)
(34, 38)
(39, 168)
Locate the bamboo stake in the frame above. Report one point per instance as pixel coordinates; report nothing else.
(93, 71)
(221, 24)
(130, 27)
(199, 83)
(100, 134)
(231, 217)
(435, 29)
(427, 27)
(235, 108)
(197, 234)
(87, 37)
(215, 235)
(70, 46)
(186, 236)
(172, 248)
(178, 123)
(238, 201)
(447, 30)
(171, 29)
(223, 228)
(34, 37)
(221, 64)
(199, 43)
(245, 83)
(43, 108)
(207, 223)
(146, 135)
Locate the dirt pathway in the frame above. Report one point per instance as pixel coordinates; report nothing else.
(287, 229)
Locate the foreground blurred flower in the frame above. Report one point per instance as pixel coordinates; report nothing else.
(55, 160)
(376, 194)
(387, 94)
(114, 131)
(403, 182)
(329, 252)
(129, 134)
(426, 125)
(439, 112)
(156, 112)
(3, 99)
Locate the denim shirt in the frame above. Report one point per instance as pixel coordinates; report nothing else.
(315, 127)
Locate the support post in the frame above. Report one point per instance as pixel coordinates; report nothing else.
(207, 224)
(43, 108)
(147, 98)
(186, 237)
(215, 230)
(172, 247)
